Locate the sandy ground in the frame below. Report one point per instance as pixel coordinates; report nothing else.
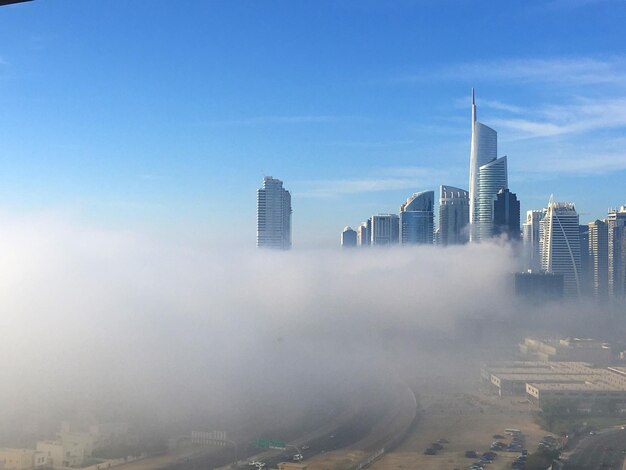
(467, 419)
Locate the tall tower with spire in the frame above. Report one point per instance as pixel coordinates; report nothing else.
(483, 150)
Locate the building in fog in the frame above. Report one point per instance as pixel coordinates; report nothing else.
(21, 459)
(506, 214)
(364, 233)
(616, 246)
(453, 216)
(598, 258)
(532, 255)
(348, 238)
(483, 149)
(585, 261)
(385, 229)
(560, 245)
(567, 349)
(273, 215)
(416, 219)
(492, 177)
(539, 286)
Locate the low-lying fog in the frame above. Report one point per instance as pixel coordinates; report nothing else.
(95, 320)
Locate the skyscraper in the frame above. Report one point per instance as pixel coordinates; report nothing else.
(416, 219)
(364, 233)
(616, 245)
(348, 238)
(385, 229)
(506, 214)
(483, 149)
(598, 258)
(532, 254)
(273, 215)
(585, 261)
(560, 245)
(492, 177)
(453, 215)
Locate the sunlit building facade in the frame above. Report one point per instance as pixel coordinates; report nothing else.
(493, 177)
(532, 255)
(385, 229)
(417, 218)
(598, 258)
(616, 246)
(560, 245)
(483, 149)
(364, 233)
(453, 216)
(273, 215)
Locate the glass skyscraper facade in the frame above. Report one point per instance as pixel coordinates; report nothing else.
(483, 149)
(560, 245)
(417, 219)
(493, 177)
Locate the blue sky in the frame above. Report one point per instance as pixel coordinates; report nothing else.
(163, 116)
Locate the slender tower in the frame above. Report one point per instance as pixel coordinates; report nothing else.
(483, 149)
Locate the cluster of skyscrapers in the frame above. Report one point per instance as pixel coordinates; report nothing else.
(488, 209)
(591, 259)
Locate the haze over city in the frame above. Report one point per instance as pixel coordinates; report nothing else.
(175, 179)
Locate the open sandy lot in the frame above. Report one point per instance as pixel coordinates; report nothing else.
(468, 419)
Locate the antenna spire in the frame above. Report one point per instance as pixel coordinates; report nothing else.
(473, 101)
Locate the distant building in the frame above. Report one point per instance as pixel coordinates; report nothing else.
(539, 286)
(599, 258)
(364, 233)
(506, 214)
(567, 349)
(493, 177)
(62, 454)
(560, 245)
(348, 238)
(385, 229)
(453, 216)
(483, 149)
(416, 219)
(21, 459)
(273, 215)
(585, 261)
(616, 245)
(532, 255)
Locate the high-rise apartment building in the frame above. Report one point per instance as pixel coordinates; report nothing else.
(532, 255)
(616, 246)
(273, 215)
(585, 261)
(483, 149)
(348, 238)
(416, 219)
(493, 177)
(506, 213)
(560, 245)
(385, 229)
(598, 258)
(364, 233)
(453, 216)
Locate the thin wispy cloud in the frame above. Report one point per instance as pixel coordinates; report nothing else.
(582, 116)
(582, 164)
(279, 120)
(573, 71)
(389, 179)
